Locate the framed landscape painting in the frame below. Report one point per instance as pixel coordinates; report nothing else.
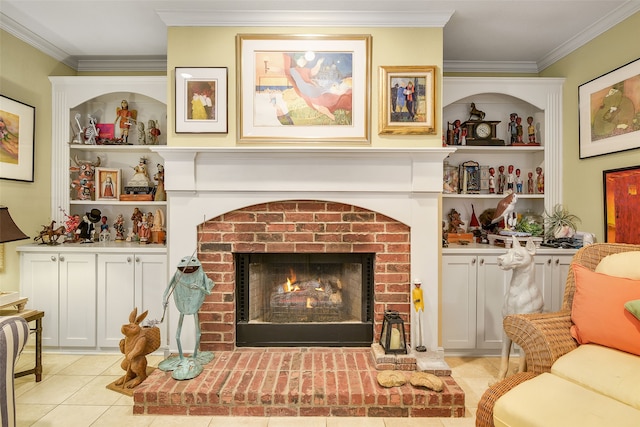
(407, 100)
(610, 112)
(303, 88)
(17, 139)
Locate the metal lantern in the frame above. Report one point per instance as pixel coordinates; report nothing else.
(392, 338)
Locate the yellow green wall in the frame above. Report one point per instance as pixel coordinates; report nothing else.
(24, 76)
(582, 185)
(216, 47)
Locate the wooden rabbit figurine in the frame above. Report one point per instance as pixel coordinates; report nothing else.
(137, 343)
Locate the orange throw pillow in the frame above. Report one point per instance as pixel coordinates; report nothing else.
(598, 311)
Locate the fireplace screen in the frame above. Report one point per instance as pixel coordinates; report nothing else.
(289, 291)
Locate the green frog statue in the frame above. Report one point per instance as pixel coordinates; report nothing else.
(189, 286)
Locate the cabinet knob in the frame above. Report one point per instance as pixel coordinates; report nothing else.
(53, 258)
(61, 258)
(473, 261)
(137, 259)
(481, 261)
(128, 259)
(548, 262)
(557, 262)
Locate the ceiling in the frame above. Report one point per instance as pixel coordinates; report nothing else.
(479, 36)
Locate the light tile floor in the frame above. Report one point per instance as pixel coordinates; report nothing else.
(73, 393)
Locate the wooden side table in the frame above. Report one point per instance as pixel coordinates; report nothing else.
(29, 316)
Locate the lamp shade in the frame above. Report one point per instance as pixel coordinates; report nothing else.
(9, 231)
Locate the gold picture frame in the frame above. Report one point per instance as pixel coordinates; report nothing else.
(107, 184)
(407, 100)
(303, 88)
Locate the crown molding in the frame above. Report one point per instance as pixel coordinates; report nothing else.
(22, 33)
(128, 63)
(303, 18)
(490, 67)
(607, 22)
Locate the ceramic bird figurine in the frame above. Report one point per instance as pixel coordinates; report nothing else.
(505, 208)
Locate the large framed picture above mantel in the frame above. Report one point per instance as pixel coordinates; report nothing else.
(610, 112)
(17, 139)
(304, 88)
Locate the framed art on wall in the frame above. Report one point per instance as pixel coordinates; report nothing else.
(201, 100)
(609, 109)
(407, 100)
(17, 139)
(107, 184)
(621, 205)
(303, 88)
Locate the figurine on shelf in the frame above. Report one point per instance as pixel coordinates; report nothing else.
(539, 180)
(518, 181)
(474, 112)
(502, 179)
(492, 180)
(511, 180)
(456, 132)
(519, 130)
(506, 207)
(87, 228)
(144, 230)
(83, 183)
(154, 132)
(105, 236)
(125, 116)
(531, 130)
(160, 195)
(136, 217)
(513, 131)
(141, 176)
(118, 226)
(142, 136)
(530, 183)
(455, 223)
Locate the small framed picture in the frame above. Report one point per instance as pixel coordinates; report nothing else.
(201, 100)
(106, 131)
(107, 185)
(407, 100)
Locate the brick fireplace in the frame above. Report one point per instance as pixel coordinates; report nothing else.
(384, 201)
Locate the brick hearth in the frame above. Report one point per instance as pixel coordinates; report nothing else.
(293, 382)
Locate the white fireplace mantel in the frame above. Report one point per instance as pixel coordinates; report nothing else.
(402, 183)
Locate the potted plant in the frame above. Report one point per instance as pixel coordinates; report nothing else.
(560, 223)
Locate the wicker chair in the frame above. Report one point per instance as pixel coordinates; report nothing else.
(544, 337)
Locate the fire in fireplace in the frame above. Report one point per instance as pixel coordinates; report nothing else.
(304, 299)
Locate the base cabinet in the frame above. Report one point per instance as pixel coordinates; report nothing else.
(125, 282)
(63, 285)
(87, 291)
(473, 290)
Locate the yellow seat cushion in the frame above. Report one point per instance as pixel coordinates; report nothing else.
(550, 401)
(611, 372)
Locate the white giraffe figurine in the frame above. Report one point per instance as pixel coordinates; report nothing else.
(522, 296)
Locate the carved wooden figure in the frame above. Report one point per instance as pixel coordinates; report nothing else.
(138, 341)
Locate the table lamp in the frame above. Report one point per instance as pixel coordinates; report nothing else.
(9, 232)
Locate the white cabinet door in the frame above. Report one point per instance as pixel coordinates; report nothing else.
(459, 276)
(116, 296)
(77, 295)
(151, 281)
(492, 285)
(560, 269)
(39, 283)
(125, 282)
(544, 279)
